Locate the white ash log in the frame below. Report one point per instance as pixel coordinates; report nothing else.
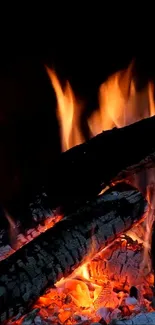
(141, 319)
(120, 263)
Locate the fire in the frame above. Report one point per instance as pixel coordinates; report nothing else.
(89, 287)
(100, 288)
(120, 104)
(101, 285)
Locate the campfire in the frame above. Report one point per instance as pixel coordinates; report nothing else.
(93, 263)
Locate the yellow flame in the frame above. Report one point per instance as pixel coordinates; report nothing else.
(120, 104)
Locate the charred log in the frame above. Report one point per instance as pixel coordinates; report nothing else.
(85, 170)
(57, 252)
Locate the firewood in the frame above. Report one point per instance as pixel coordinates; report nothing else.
(57, 252)
(83, 171)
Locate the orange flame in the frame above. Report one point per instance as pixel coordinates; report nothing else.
(120, 104)
(68, 113)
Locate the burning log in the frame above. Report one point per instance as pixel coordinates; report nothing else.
(57, 252)
(86, 169)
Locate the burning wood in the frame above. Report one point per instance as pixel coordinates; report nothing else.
(109, 155)
(85, 170)
(115, 285)
(79, 187)
(58, 251)
(94, 294)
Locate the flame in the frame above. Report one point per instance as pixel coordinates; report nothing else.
(144, 181)
(68, 113)
(120, 104)
(13, 230)
(88, 294)
(150, 196)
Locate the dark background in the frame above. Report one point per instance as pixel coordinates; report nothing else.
(29, 141)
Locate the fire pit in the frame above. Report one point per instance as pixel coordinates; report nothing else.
(92, 263)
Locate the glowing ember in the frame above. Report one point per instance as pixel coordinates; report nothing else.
(18, 239)
(109, 286)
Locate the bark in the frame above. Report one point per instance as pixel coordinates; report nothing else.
(57, 252)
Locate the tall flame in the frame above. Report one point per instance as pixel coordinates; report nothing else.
(68, 113)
